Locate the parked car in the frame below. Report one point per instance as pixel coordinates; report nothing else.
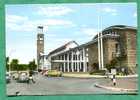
(53, 73)
(15, 75)
(8, 78)
(23, 78)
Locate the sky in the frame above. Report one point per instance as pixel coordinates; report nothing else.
(62, 23)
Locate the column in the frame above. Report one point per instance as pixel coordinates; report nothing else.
(102, 60)
(60, 64)
(64, 62)
(78, 61)
(68, 62)
(74, 61)
(72, 67)
(99, 51)
(84, 60)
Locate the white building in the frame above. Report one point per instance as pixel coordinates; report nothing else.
(70, 57)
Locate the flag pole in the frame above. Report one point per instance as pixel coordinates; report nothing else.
(99, 51)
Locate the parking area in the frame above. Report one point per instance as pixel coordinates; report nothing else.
(58, 86)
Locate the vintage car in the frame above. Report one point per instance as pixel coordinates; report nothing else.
(53, 73)
(23, 78)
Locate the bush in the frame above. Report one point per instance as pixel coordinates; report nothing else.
(98, 72)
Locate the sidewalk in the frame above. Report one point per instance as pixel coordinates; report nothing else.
(76, 75)
(86, 75)
(126, 84)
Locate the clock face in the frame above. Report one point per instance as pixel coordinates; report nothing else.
(41, 38)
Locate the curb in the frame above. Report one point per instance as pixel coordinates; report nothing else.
(96, 76)
(73, 76)
(116, 89)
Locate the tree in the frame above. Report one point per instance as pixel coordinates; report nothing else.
(112, 64)
(23, 67)
(14, 64)
(32, 65)
(116, 62)
(7, 63)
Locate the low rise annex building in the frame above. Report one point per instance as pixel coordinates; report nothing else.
(119, 41)
(69, 58)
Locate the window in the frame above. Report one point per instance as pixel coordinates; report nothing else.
(117, 48)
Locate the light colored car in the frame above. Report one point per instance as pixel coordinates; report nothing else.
(53, 73)
(23, 77)
(15, 75)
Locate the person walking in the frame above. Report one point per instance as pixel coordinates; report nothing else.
(31, 77)
(114, 80)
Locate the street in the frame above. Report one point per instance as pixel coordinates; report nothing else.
(58, 85)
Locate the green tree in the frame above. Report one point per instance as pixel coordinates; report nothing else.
(7, 63)
(23, 67)
(116, 62)
(14, 64)
(32, 65)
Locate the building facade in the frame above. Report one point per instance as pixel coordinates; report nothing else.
(69, 58)
(118, 41)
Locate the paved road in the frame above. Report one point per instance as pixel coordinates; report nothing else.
(58, 85)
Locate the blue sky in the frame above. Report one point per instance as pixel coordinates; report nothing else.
(62, 23)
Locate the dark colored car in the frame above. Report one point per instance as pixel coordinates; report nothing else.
(8, 78)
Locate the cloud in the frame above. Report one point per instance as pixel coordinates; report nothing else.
(23, 23)
(57, 42)
(51, 35)
(90, 31)
(16, 19)
(18, 23)
(55, 22)
(19, 51)
(112, 11)
(54, 11)
(135, 14)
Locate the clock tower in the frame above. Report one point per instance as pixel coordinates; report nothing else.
(40, 47)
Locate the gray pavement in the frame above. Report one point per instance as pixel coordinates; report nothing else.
(58, 86)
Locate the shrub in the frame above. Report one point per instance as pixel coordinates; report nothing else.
(97, 72)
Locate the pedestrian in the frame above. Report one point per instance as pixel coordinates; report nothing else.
(31, 77)
(114, 80)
